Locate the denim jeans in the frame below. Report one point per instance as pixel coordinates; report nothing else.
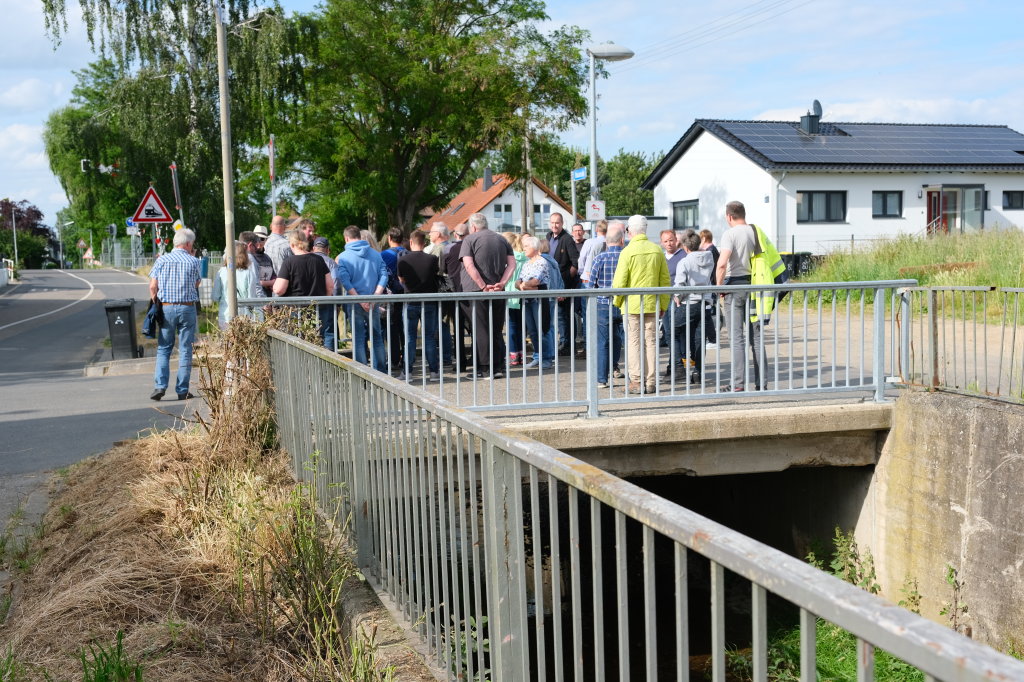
(328, 315)
(604, 333)
(542, 341)
(361, 321)
(414, 312)
(515, 329)
(180, 321)
(688, 335)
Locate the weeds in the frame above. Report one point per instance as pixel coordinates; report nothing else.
(10, 669)
(911, 596)
(955, 610)
(100, 664)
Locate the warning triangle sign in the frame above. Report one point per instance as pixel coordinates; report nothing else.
(152, 210)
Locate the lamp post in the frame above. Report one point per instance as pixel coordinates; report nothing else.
(60, 238)
(14, 229)
(609, 52)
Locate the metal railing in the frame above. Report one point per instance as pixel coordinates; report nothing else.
(965, 339)
(515, 561)
(837, 337)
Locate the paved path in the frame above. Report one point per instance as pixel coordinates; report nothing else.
(53, 324)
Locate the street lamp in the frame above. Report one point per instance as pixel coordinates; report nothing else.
(609, 52)
(60, 238)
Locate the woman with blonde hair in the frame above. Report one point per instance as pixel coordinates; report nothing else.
(246, 286)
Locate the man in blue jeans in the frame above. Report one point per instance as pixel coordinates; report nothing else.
(417, 271)
(362, 272)
(609, 317)
(175, 279)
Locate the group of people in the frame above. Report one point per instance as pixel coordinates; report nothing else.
(290, 260)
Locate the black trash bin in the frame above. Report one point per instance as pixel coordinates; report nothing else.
(124, 343)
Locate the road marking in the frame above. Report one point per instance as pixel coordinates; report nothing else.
(36, 317)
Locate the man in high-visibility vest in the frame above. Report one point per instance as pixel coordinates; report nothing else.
(738, 244)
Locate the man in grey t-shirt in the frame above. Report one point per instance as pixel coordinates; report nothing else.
(487, 265)
(736, 248)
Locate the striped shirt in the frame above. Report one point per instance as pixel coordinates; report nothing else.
(602, 272)
(278, 248)
(176, 274)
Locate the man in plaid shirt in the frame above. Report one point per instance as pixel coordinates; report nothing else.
(175, 279)
(609, 318)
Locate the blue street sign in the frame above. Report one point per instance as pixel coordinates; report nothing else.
(579, 173)
(128, 222)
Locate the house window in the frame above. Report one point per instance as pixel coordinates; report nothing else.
(1013, 200)
(685, 215)
(503, 213)
(820, 207)
(886, 204)
(541, 214)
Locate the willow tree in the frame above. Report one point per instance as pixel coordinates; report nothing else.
(164, 103)
(404, 96)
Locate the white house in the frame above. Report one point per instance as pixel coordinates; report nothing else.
(500, 199)
(817, 186)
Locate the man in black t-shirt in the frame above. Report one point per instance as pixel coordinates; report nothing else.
(305, 273)
(417, 271)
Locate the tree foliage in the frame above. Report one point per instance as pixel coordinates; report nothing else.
(153, 99)
(33, 236)
(621, 191)
(403, 97)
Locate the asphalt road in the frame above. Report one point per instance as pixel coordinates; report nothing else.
(52, 324)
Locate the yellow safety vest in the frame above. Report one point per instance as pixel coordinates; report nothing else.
(766, 267)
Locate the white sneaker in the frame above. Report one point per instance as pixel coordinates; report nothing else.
(433, 376)
(711, 346)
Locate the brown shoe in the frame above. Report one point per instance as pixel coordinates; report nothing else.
(651, 389)
(634, 387)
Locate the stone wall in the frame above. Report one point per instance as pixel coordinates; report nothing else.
(949, 489)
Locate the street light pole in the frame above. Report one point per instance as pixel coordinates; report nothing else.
(610, 52)
(225, 160)
(14, 229)
(60, 237)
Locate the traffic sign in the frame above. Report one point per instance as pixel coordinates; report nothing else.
(151, 210)
(579, 173)
(128, 222)
(82, 244)
(595, 210)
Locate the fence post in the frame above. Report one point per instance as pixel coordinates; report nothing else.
(592, 351)
(506, 582)
(879, 346)
(905, 335)
(933, 341)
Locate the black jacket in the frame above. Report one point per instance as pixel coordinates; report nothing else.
(567, 255)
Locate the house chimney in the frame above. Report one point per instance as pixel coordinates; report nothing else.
(488, 181)
(809, 122)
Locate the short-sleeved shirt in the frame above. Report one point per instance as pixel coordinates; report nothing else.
(305, 274)
(490, 253)
(278, 248)
(535, 268)
(419, 270)
(176, 274)
(740, 240)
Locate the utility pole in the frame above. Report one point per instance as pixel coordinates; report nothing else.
(14, 229)
(225, 159)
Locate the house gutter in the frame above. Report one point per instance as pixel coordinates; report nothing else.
(778, 211)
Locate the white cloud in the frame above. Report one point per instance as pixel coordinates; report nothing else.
(32, 94)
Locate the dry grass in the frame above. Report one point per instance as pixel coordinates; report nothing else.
(183, 541)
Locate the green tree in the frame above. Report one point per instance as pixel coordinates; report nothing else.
(620, 189)
(33, 237)
(404, 97)
(155, 100)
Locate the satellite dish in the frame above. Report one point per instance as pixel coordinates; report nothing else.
(816, 108)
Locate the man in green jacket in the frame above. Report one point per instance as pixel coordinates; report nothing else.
(641, 264)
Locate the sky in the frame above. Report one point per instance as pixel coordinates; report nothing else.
(911, 61)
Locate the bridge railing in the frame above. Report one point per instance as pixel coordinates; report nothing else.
(833, 337)
(968, 339)
(515, 561)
